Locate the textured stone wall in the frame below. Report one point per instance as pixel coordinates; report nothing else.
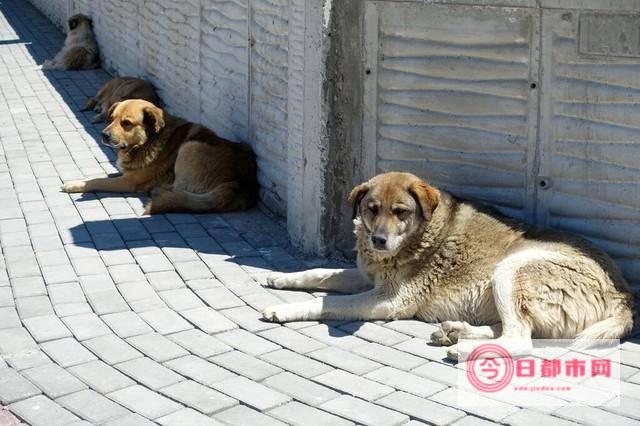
(223, 63)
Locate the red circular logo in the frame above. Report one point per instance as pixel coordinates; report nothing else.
(489, 367)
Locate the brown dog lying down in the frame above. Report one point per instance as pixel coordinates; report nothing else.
(80, 50)
(422, 253)
(117, 90)
(185, 166)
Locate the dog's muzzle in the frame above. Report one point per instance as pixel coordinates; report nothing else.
(108, 140)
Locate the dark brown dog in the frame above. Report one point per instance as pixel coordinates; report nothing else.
(185, 167)
(80, 50)
(117, 90)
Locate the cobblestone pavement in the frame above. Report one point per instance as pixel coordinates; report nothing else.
(108, 317)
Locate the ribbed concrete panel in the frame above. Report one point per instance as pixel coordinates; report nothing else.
(224, 58)
(591, 120)
(268, 90)
(453, 99)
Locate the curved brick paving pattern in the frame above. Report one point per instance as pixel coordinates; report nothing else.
(110, 318)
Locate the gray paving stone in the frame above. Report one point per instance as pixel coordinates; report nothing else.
(187, 416)
(332, 336)
(438, 372)
(41, 411)
(28, 286)
(130, 420)
(241, 415)
(247, 342)
(16, 341)
(199, 343)
(298, 414)
(389, 356)
(219, 297)
(86, 326)
(36, 306)
(245, 365)
(9, 317)
(363, 412)
(194, 270)
(126, 273)
(149, 373)
(67, 352)
(101, 377)
(90, 265)
(200, 370)
(296, 363)
(470, 421)
(59, 273)
(157, 346)
(145, 402)
(208, 320)
(586, 415)
(199, 397)
(181, 299)
(301, 389)
(477, 404)
(14, 387)
(421, 408)
(344, 360)
(166, 280)
(126, 324)
(248, 318)
(136, 290)
(534, 418)
(107, 302)
(53, 380)
(165, 321)
(112, 349)
(405, 381)
(154, 263)
(413, 328)
(353, 385)
(6, 296)
(251, 393)
(66, 293)
(92, 406)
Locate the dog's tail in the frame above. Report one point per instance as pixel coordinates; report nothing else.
(224, 198)
(616, 326)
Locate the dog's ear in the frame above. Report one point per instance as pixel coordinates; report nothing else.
(72, 22)
(110, 112)
(426, 196)
(356, 196)
(153, 118)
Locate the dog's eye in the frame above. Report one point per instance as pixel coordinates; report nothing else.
(373, 208)
(399, 211)
(125, 123)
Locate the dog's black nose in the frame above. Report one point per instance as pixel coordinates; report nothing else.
(378, 241)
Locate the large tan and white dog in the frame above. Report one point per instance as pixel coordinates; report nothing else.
(80, 50)
(423, 253)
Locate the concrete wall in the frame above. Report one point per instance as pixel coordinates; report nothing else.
(223, 63)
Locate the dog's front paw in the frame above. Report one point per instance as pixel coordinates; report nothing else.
(280, 313)
(280, 280)
(448, 334)
(73, 186)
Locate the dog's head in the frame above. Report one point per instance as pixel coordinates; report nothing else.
(132, 123)
(391, 208)
(79, 22)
